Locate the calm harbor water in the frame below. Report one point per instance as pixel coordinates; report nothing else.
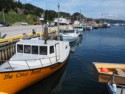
(77, 77)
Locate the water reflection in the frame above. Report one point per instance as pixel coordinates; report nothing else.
(73, 45)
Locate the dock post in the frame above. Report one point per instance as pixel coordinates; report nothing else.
(0, 57)
(0, 35)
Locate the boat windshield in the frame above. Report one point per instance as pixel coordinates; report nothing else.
(67, 31)
(33, 49)
(27, 49)
(43, 50)
(78, 27)
(51, 49)
(20, 48)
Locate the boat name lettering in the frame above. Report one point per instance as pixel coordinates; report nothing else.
(21, 74)
(8, 76)
(35, 72)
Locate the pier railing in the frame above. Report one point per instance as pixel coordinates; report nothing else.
(7, 47)
(13, 65)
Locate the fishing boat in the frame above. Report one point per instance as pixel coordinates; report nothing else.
(69, 35)
(79, 28)
(105, 72)
(34, 60)
(89, 27)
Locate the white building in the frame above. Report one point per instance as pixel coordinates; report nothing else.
(76, 22)
(62, 21)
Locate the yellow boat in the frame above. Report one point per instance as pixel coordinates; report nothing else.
(109, 72)
(33, 61)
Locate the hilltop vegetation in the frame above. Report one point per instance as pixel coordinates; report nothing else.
(15, 11)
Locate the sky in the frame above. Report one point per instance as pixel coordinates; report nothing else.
(112, 9)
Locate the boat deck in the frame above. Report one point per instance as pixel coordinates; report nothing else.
(22, 64)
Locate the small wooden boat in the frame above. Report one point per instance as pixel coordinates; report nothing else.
(33, 61)
(106, 71)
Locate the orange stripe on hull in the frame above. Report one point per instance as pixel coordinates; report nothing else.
(13, 82)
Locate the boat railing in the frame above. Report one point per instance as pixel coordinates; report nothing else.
(12, 65)
(121, 86)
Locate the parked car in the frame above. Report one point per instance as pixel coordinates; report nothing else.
(52, 24)
(23, 23)
(2, 24)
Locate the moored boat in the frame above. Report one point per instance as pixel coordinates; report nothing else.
(33, 61)
(69, 35)
(115, 88)
(105, 72)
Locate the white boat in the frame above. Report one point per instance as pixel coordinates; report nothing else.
(62, 21)
(33, 61)
(89, 27)
(69, 35)
(115, 89)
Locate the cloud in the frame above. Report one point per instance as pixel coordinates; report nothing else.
(90, 8)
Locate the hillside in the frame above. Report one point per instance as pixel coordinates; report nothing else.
(17, 12)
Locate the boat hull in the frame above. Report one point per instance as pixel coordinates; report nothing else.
(70, 39)
(13, 82)
(104, 78)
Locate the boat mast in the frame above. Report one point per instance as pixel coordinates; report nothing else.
(80, 16)
(58, 22)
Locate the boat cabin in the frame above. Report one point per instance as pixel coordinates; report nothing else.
(36, 53)
(67, 31)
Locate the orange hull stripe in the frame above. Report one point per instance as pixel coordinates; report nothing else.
(12, 82)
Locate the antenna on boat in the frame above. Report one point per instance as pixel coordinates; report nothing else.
(45, 34)
(42, 22)
(58, 22)
(80, 16)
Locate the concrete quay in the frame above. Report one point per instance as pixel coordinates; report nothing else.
(18, 30)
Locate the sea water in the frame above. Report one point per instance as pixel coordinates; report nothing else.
(77, 77)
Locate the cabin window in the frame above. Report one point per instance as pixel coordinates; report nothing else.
(27, 49)
(43, 50)
(77, 32)
(34, 49)
(51, 49)
(20, 48)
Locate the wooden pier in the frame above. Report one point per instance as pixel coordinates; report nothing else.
(7, 47)
(7, 50)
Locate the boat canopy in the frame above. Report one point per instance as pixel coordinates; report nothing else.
(67, 31)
